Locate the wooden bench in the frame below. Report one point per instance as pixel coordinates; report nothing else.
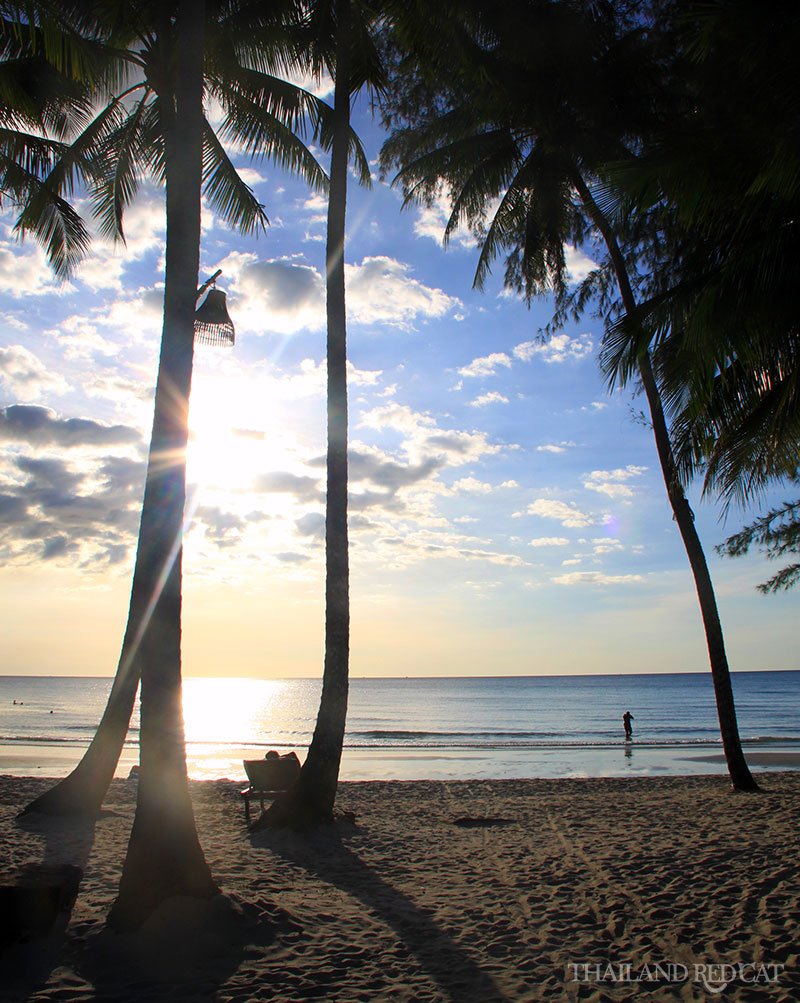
(269, 777)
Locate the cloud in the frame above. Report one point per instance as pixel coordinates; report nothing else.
(471, 485)
(286, 295)
(223, 527)
(378, 480)
(145, 227)
(613, 482)
(311, 524)
(250, 176)
(27, 273)
(426, 545)
(493, 397)
(79, 339)
(553, 447)
(549, 541)
(38, 426)
(56, 512)
(423, 437)
(596, 578)
(304, 489)
(567, 514)
(381, 291)
(560, 348)
(292, 557)
(579, 265)
(26, 376)
(431, 222)
(369, 465)
(282, 295)
(606, 545)
(487, 365)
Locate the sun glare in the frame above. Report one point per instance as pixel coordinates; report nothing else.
(232, 711)
(229, 437)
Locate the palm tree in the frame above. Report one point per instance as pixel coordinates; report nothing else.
(352, 61)
(531, 123)
(245, 50)
(41, 102)
(721, 301)
(164, 856)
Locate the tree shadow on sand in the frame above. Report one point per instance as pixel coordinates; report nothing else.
(184, 952)
(27, 963)
(323, 854)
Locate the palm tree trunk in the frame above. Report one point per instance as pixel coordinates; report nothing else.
(310, 801)
(83, 791)
(739, 771)
(164, 857)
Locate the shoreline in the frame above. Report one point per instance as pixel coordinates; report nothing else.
(442, 763)
(405, 904)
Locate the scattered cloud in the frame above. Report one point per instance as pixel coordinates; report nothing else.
(39, 426)
(566, 513)
(301, 487)
(145, 225)
(549, 541)
(596, 578)
(487, 365)
(286, 295)
(493, 397)
(26, 377)
(606, 545)
(613, 483)
(381, 290)
(431, 222)
(579, 265)
(555, 447)
(278, 296)
(560, 348)
(471, 485)
(54, 511)
(423, 437)
(27, 273)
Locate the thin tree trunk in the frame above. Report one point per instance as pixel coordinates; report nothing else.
(82, 792)
(164, 857)
(310, 801)
(738, 769)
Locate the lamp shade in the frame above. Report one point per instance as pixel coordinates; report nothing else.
(212, 325)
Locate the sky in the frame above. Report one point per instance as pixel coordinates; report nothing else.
(507, 513)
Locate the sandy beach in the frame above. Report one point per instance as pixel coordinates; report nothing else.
(669, 888)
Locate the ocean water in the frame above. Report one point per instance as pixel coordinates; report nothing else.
(440, 728)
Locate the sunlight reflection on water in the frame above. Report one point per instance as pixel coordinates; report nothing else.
(246, 711)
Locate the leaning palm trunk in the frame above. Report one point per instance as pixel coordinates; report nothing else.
(311, 799)
(84, 789)
(164, 857)
(740, 775)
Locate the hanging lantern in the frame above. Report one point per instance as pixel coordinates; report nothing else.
(212, 325)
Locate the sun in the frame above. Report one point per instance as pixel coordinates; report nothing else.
(229, 437)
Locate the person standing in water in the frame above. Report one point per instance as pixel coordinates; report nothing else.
(627, 717)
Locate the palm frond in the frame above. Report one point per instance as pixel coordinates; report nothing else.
(119, 159)
(23, 155)
(225, 190)
(261, 134)
(57, 227)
